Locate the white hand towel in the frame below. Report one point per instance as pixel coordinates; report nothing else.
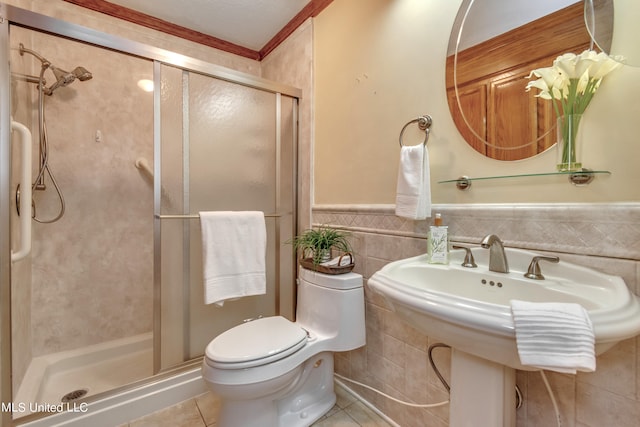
(234, 248)
(554, 336)
(413, 193)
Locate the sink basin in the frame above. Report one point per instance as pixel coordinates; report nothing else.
(469, 308)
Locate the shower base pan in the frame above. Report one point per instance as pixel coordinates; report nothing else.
(70, 375)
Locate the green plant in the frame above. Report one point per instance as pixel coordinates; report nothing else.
(319, 241)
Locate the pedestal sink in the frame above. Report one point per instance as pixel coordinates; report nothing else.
(469, 309)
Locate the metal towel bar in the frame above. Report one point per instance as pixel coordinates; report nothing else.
(424, 123)
(193, 216)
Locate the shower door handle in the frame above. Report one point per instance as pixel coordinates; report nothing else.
(25, 189)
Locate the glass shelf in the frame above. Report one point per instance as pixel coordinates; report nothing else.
(582, 177)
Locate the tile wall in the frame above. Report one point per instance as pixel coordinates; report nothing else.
(605, 237)
(100, 252)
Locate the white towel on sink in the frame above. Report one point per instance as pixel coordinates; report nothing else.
(554, 336)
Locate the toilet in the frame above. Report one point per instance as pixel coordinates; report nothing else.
(272, 372)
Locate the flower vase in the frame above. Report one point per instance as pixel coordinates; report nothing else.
(569, 147)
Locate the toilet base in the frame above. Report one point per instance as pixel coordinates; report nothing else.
(308, 415)
(309, 396)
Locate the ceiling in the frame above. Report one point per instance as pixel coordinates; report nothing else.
(247, 23)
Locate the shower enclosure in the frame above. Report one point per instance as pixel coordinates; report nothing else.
(111, 292)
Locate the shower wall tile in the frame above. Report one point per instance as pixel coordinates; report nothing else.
(21, 349)
(92, 269)
(604, 237)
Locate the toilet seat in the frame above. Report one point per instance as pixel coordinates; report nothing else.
(255, 343)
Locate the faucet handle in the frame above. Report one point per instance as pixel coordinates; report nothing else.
(468, 262)
(534, 272)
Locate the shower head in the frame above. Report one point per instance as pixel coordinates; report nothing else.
(63, 78)
(82, 74)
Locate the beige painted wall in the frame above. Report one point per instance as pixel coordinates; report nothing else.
(380, 63)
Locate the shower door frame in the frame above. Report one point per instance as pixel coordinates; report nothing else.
(11, 15)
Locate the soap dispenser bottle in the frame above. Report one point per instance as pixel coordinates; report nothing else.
(438, 242)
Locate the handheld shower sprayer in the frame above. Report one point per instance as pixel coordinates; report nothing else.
(82, 74)
(63, 78)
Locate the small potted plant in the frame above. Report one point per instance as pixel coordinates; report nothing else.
(315, 246)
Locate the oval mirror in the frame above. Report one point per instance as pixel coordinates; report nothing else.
(493, 47)
(600, 15)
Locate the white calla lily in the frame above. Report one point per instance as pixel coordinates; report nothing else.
(572, 80)
(603, 66)
(570, 84)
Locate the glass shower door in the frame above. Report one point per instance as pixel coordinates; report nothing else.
(228, 147)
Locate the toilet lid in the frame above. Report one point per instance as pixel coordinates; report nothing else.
(255, 343)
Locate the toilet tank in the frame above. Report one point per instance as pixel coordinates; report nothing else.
(332, 306)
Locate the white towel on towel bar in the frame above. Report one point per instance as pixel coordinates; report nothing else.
(554, 336)
(234, 248)
(413, 193)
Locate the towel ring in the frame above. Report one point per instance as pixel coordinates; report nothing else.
(424, 123)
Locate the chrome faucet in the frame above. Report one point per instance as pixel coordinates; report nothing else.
(497, 257)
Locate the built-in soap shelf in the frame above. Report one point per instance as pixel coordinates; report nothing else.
(583, 177)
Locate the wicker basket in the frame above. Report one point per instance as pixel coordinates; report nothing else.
(309, 265)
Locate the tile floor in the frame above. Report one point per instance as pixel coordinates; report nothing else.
(201, 411)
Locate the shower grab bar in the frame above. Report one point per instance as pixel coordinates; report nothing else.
(424, 123)
(143, 164)
(192, 216)
(25, 188)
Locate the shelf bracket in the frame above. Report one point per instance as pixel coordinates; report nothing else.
(463, 183)
(583, 177)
